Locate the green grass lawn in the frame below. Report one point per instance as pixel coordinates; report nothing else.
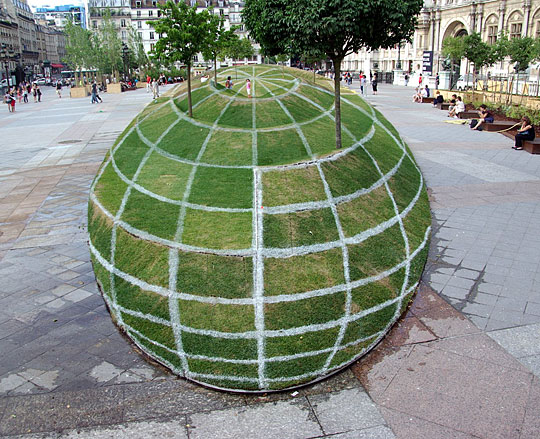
(233, 233)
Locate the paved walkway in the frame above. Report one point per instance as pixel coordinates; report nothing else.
(463, 363)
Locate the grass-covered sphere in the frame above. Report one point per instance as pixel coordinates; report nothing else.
(240, 248)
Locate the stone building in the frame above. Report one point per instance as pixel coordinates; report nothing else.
(449, 18)
(34, 47)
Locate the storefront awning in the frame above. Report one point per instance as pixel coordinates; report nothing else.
(57, 66)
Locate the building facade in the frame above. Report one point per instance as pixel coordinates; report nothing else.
(58, 16)
(33, 48)
(139, 14)
(450, 18)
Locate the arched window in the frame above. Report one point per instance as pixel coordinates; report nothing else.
(515, 25)
(492, 29)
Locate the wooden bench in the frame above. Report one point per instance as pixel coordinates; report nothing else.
(444, 106)
(428, 100)
(498, 125)
(532, 146)
(468, 115)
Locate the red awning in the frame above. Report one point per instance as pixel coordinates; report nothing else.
(57, 66)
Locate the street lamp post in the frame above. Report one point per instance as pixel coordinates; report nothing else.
(6, 54)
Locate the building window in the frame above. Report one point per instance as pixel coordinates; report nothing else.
(150, 13)
(515, 30)
(538, 29)
(124, 36)
(152, 46)
(138, 4)
(139, 24)
(159, 13)
(140, 35)
(154, 3)
(492, 34)
(123, 22)
(151, 35)
(221, 12)
(94, 24)
(138, 13)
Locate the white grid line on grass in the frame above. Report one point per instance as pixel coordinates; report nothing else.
(121, 211)
(328, 291)
(273, 252)
(174, 308)
(258, 275)
(269, 333)
(162, 291)
(275, 359)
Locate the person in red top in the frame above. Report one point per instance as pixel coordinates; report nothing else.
(148, 83)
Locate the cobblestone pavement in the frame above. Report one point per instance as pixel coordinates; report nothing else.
(463, 363)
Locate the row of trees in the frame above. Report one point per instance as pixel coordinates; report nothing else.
(521, 51)
(103, 49)
(186, 33)
(333, 28)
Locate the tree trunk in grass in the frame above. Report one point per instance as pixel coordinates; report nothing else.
(190, 110)
(337, 99)
(215, 71)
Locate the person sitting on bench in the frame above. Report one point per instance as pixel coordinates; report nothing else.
(485, 117)
(526, 132)
(438, 98)
(417, 96)
(458, 108)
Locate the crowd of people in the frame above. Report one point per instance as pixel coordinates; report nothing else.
(20, 94)
(456, 106)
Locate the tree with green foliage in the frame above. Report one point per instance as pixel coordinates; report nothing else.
(138, 58)
(108, 47)
(312, 57)
(335, 27)
(521, 52)
(453, 49)
(479, 53)
(280, 59)
(218, 39)
(79, 48)
(184, 34)
(239, 48)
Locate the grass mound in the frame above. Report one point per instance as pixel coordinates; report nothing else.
(240, 248)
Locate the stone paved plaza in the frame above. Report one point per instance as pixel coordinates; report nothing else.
(463, 363)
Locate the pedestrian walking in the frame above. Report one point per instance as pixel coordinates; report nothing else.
(148, 83)
(25, 94)
(7, 100)
(38, 90)
(374, 84)
(34, 91)
(362, 84)
(155, 89)
(406, 79)
(94, 93)
(59, 88)
(248, 87)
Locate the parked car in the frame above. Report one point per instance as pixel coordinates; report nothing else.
(40, 81)
(4, 83)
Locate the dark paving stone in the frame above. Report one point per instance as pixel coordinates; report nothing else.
(62, 410)
(172, 398)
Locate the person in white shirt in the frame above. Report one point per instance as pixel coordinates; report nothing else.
(456, 109)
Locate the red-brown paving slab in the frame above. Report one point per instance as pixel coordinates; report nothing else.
(461, 384)
(531, 423)
(410, 427)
